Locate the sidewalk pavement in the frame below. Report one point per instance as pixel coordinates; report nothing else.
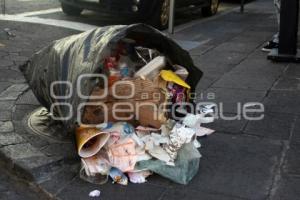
(242, 160)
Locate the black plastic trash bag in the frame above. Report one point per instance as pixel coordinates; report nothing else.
(66, 59)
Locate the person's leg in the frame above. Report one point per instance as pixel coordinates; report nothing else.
(275, 40)
(277, 10)
(277, 4)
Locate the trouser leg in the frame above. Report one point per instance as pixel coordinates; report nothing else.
(277, 4)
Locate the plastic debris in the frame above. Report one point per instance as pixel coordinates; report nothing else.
(161, 154)
(122, 154)
(95, 179)
(206, 109)
(96, 165)
(170, 76)
(118, 176)
(90, 141)
(194, 122)
(153, 68)
(179, 136)
(181, 72)
(139, 177)
(94, 193)
(186, 165)
(9, 33)
(202, 131)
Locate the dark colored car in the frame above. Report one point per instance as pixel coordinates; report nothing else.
(154, 12)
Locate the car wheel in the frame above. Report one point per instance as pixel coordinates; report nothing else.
(71, 10)
(161, 16)
(212, 9)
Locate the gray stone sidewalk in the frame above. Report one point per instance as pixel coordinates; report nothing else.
(242, 160)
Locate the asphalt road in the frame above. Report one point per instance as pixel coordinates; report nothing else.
(46, 9)
(21, 6)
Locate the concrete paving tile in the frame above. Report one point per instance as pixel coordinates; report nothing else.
(4, 86)
(158, 180)
(239, 166)
(13, 91)
(6, 105)
(259, 54)
(295, 139)
(217, 69)
(10, 76)
(288, 189)
(28, 98)
(67, 150)
(5, 115)
(293, 160)
(14, 67)
(287, 84)
(205, 82)
(11, 48)
(240, 47)
(11, 195)
(293, 71)
(255, 35)
(19, 58)
(34, 139)
(217, 38)
(2, 51)
(200, 50)
(79, 189)
(241, 38)
(61, 179)
(6, 126)
(226, 58)
(20, 151)
(274, 125)
(258, 82)
(22, 110)
(5, 63)
(232, 124)
(38, 168)
(258, 67)
(283, 102)
(186, 194)
(212, 68)
(10, 138)
(271, 25)
(228, 100)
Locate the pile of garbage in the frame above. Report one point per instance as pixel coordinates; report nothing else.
(149, 134)
(137, 116)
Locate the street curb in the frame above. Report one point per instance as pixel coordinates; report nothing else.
(33, 186)
(17, 154)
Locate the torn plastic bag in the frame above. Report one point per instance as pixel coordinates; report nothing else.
(186, 165)
(68, 58)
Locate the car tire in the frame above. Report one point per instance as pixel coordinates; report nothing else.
(71, 10)
(160, 19)
(212, 9)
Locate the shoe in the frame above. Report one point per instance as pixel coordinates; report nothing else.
(269, 46)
